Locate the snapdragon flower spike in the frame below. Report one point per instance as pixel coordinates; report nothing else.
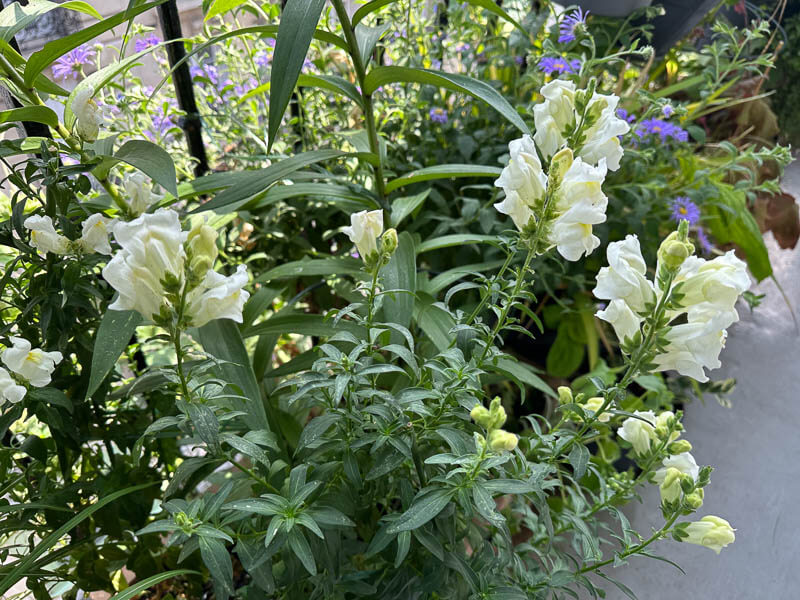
(697, 323)
(550, 65)
(569, 25)
(71, 64)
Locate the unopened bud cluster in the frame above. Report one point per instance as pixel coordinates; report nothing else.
(493, 419)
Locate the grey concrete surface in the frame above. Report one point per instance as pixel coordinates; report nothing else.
(754, 447)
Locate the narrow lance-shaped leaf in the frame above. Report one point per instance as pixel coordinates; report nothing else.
(111, 339)
(298, 23)
(152, 160)
(15, 17)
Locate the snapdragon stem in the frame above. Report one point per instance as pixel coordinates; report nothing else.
(366, 97)
(636, 549)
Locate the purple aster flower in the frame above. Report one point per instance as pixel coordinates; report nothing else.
(570, 23)
(683, 209)
(623, 114)
(662, 129)
(148, 42)
(71, 64)
(263, 59)
(438, 115)
(551, 65)
(667, 111)
(705, 244)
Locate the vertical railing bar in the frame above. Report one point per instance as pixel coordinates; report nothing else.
(191, 124)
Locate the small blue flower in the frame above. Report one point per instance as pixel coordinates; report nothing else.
(667, 111)
(571, 22)
(683, 209)
(662, 129)
(438, 115)
(552, 65)
(623, 114)
(71, 64)
(705, 244)
(145, 43)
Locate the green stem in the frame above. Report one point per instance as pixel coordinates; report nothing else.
(636, 549)
(255, 477)
(369, 116)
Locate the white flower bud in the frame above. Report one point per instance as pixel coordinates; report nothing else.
(95, 234)
(639, 431)
(88, 114)
(364, 231)
(711, 532)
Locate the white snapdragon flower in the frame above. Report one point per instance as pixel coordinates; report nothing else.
(152, 248)
(523, 181)
(625, 277)
(33, 364)
(580, 204)
(218, 297)
(44, 236)
(639, 430)
(553, 116)
(712, 287)
(684, 463)
(95, 233)
(619, 315)
(89, 116)
(364, 231)
(693, 347)
(10, 390)
(139, 191)
(711, 532)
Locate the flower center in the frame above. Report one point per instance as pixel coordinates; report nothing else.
(33, 357)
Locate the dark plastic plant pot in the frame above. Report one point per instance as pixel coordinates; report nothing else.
(612, 8)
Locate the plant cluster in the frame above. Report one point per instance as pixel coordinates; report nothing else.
(377, 352)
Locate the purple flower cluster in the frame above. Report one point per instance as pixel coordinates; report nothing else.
(147, 42)
(438, 115)
(662, 129)
(263, 58)
(683, 209)
(72, 63)
(551, 65)
(571, 22)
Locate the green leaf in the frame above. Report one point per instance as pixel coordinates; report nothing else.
(434, 321)
(220, 7)
(301, 549)
(298, 23)
(37, 114)
(42, 59)
(251, 183)
(401, 274)
(732, 222)
(404, 206)
(523, 373)
(442, 172)
(495, 9)
(15, 17)
(346, 198)
(303, 324)
(52, 396)
(24, 564)
(367, 37)
(456, 239)
(316, 429)
(111, 339)
(565, 355)
(457, 83)
(579, 459)
(218, 561)
(314, 268)
(221, 338)
(427, 504)
(152, 160)
(334, 84)
(368, 9)
(137, 588)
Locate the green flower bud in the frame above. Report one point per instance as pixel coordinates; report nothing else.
(497, 414)
(679, 447)
(564, 395)
(671, 486)
(500, 440)
(201, 247)
(673, 251)
(480, 414)
(389, 241)
(559, 164)
(695, 499)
